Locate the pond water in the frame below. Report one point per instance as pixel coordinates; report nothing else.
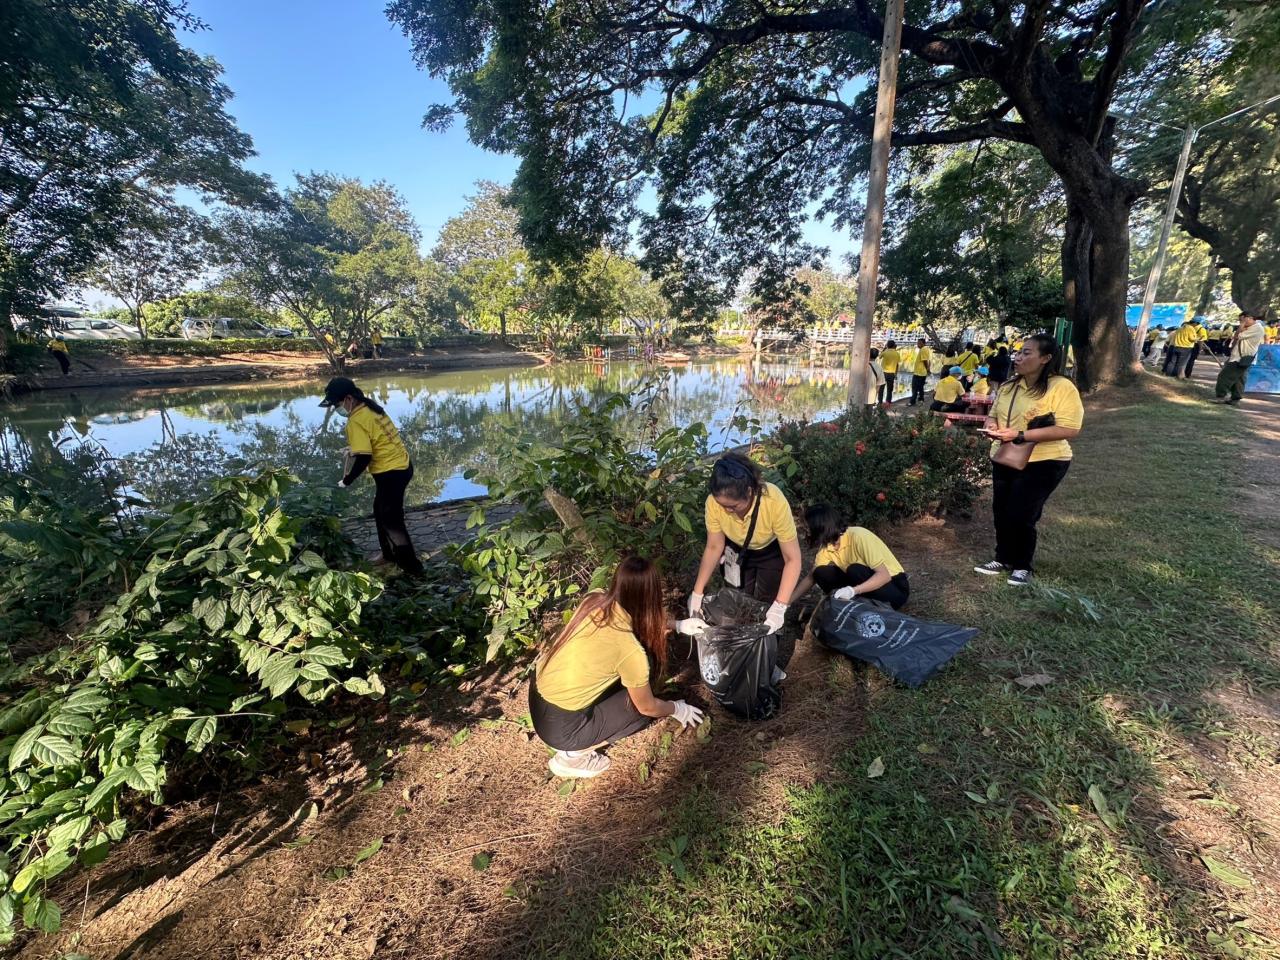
(173, 441)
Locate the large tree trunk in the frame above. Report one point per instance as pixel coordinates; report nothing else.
(1109, 354)
(1209, 285)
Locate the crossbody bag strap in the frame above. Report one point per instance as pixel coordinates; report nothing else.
(751, 528)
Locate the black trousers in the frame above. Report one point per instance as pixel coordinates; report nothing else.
(1017, 501)
(890, 381)
(1191, 360)
(608, 720)
(917, 387)
(761, 570)
(388, 517)
(831, 578)
(959, 406)
(1231, 379)
(1178, 360)
(63, 362)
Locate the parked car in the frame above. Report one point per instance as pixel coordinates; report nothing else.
(93, 328)
(229, 328)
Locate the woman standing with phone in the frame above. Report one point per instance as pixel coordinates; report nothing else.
(1034, 416)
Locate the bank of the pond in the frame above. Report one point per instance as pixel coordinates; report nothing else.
(95, 366)
(114, 372)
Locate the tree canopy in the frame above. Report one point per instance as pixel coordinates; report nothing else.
(335, 252)
(745, 119)
(102, 110)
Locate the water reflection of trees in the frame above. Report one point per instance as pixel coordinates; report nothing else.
(452, 424)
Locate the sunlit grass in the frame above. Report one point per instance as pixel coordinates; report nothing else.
(988, 842)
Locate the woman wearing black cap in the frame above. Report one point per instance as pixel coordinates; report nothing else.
(752, 534)
(375, 444)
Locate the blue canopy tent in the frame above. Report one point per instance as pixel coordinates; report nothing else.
(1162, 314)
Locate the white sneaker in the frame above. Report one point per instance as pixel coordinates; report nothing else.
(1019, 578)
(578, 763)
(992, 569)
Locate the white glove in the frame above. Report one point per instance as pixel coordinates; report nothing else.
(774, 618)
(695, 604)
(845, 593)
(692, 627)
(342, 484)
(686, 715)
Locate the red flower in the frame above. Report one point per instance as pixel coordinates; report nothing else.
(915, 433)
(859, 448)
(881, 496)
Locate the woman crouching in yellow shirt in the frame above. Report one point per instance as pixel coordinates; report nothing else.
(751, 535)
(591, 687)
(851, 562)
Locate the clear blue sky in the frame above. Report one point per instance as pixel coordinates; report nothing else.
(329, 85)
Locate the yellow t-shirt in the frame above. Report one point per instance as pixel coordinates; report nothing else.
(1186, 336)
(981, 387)
(1014, 406)
(923, 356)
(376, 339)
(371, 433)
(889, 360)
(858, 545)
(968, 362)
(774, 523)
(593, 659)
(988, 352)
(58, 345)
(949, 390)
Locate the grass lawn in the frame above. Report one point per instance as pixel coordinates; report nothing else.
(1119, 810)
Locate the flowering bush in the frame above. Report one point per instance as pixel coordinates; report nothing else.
(875, 467)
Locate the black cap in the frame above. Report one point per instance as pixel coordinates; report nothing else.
(337, 390)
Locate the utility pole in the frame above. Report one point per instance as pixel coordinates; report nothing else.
(869, 265)
(1157, 268)
(1153, 279)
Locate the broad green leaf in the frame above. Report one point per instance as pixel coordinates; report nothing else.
(975, 797)
(368, 852)
(72, 724)
(480, 862)
(143, 777)
(41, 913)
(326, 655)
(875, 768)
(201, 731)
(65, 834)
(106, 786)
(280, 673)
(54, 750)
(50, 865)
(21, 751)
(1225, 873)
(1099, 801)
(295, 844)
(459, 738)
(566, 788)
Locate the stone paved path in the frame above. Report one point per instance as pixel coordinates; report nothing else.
(431, 527)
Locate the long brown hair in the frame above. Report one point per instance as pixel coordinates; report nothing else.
(637, 589)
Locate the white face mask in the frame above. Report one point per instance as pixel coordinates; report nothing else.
(342, 411)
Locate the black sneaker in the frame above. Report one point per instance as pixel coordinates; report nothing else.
(992, 569)
(1019, 578)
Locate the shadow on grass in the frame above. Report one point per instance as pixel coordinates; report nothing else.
(1009, 821)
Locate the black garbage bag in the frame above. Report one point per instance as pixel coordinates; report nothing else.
(732, 608)
(907, 649)
(738, 657)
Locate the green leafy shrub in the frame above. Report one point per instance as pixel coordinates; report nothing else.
(638, 490)
(875, 467)
(228, 610)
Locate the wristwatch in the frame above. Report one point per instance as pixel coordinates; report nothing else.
(1020, 438)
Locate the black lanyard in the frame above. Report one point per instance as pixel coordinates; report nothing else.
(1008, 420)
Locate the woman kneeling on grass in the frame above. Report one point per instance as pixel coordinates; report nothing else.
(591, 687)
(851, 562)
